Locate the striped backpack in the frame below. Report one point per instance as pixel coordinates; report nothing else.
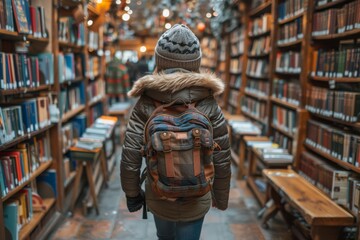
(179, 146)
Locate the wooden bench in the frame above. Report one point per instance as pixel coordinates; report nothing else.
(324, 216)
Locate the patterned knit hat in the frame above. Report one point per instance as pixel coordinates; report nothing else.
(178, 47)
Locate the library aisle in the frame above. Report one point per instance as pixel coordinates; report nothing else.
(115, 222)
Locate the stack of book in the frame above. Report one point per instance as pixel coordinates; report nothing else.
(273, 154)
(244, 127)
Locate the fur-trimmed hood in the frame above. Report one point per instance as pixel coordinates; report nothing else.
(177, 81)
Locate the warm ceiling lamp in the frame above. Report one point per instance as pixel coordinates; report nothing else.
(166, 12)
(125, 17)
(167, 25)
(143, 49)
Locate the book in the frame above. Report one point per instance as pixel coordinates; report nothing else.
(20, 16)
(46, 184)
(11, 214)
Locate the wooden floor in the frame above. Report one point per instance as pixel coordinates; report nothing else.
(115, 222)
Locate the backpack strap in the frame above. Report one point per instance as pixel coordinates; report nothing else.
(169, 162)
(196, 152)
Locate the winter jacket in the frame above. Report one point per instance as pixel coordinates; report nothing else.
(185, 87)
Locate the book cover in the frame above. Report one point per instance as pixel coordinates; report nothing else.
(11, 215)
(46, 184)
(20, 16)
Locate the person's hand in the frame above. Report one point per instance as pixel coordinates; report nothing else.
(135, 203)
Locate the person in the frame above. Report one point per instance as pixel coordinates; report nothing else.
(142, 67)
(177, 77)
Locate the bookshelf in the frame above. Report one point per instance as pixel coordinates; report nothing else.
(26, 87)
(50, 64)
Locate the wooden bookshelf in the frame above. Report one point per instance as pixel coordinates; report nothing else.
(338, 36)
(330, 4)
(260, 34)
(341, 80)
(72, 113)
(256, 96)
(25, 90)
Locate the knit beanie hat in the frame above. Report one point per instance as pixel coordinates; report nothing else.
(178, 47)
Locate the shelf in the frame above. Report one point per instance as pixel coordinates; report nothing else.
(283, 131)
(235, 73)
(289, 19)
(290, 44)
(249, 115)
(256, 96)
(333, 159)
(338, 36)
(70, 179)
(36, 219)
(24, 138)
(24, 90)
(260, 196)
(355, 125)
(260, 9)
(259, 56)
(36, 173)
(284, 103)
(330, 4)
(67, 116)
(6, 34)
(96, 101)
(236, 55)
(259, 34)
(67, 83)
(327, 79)
(257, 77)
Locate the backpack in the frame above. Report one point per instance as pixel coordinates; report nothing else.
(179, 149)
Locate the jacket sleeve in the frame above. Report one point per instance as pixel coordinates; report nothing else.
(221, 157)
(131, 158)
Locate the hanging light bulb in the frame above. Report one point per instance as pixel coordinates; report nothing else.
(128, 1)
(130, 12)
(215, 14)
(138, 3)
(90, 22)
(125, 17)
(208, 15)
(167, 25)
(118, 2)
(127, 8)
(143, 49)
(166, 12)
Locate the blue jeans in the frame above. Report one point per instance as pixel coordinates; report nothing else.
(168, 230)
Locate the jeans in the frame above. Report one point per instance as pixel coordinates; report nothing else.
(168, 230)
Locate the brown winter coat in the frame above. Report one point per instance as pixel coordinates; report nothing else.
(188, 87)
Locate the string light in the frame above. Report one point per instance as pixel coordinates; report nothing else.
(167, 25)
(215, 14)
(125, 17)
(90, 22)
(127, 8)
(130, 12)
(118, 2)
(142, 49)
(208, 15)
(166, 12)
(138, 3)
(128, 1)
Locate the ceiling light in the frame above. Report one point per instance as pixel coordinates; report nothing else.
(166, 12)
(127, 8)
(125, 17)
(142, 49)
(138, 3)
(130, 12)
(90, 22)
(118, 2)
(128, 1)
(167, 25)
(215, 14)
(208, 15)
